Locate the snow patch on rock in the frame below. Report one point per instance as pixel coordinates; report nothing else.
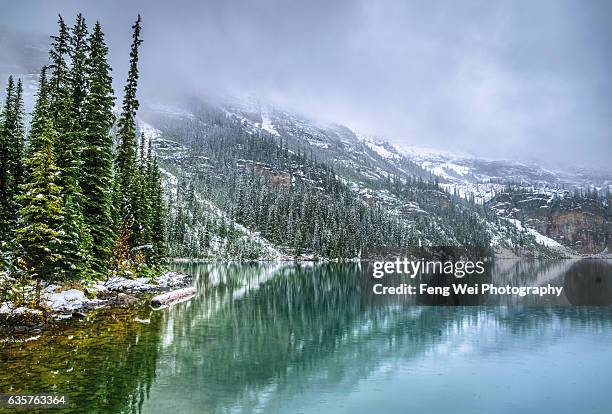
(143, 284)
(379, 147)
(540, 238)
(266, 124)
(71, 299)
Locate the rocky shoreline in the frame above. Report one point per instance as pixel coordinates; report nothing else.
(58, 303)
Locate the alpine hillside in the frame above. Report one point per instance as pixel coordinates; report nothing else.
(261, 182)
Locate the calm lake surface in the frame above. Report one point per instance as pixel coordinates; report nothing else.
(284, 338)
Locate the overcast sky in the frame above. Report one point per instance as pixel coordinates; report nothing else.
(524, 79)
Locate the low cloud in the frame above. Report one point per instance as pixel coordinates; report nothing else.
(526, 80)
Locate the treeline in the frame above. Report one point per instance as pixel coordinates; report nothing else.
(290, 199)
(77, 200)
(303, 205)
(300, 204)
(300, 219)
(471, 224)
(576, 193)
(196, 230)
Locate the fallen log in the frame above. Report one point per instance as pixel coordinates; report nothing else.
(175, 296)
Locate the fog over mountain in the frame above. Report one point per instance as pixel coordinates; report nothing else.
(523, 80)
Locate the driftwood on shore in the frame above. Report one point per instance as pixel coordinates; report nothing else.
(174, 296)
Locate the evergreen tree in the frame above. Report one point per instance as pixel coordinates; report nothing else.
(38, 234)
(16, 140)
(127, 186)
(65, 229)
(69, 145)
(141, 200)
(158, 218)
(12, 140)
(5, 169)
(59, 82)
(78, 50)
(76, 252)
(146, 194)
(126, 156)
(97, 172)
(40, 114)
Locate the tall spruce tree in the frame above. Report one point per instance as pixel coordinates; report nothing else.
(41, 113)
(39, 237)
(76, 255)
(5, 170)
(12, 140)
(62, 110)
(97, 172)
(142, 200)
(79, 48)
(145, 194)
(126, 194)
(16, 141)
(59, 81)
(158, 214)
(76, 260)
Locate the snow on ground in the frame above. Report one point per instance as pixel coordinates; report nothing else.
(68, 301)
(540, 238)
(5, 308)
(268, 247)
(378, 146)
(266, 124)
(319, 144)
(482, 192)
(435, 169)
(64, 302)
(422, 153)
(171, 182)
(382, 151)
(461, 170)
(144, 284)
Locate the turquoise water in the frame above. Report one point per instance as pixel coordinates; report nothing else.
(281, 338)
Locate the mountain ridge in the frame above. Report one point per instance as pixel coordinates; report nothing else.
(371, 168)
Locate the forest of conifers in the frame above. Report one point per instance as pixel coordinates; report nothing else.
(80, 192)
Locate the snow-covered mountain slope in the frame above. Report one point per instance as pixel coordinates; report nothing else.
(581, 221)
(368, 164)
(461, 169)
(374, 171)
(202, 230)
(571, 207)
(469, 174)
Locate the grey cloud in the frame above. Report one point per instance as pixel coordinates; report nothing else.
(502, 79)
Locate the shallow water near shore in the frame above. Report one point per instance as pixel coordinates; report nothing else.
(290, 338)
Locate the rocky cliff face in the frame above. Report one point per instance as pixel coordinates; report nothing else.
(581, 223)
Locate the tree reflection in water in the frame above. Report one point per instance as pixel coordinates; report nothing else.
(262, 335)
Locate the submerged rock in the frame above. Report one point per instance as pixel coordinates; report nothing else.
(21, 319)
(124, 299)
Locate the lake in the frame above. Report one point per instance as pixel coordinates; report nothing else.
(287, 338)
